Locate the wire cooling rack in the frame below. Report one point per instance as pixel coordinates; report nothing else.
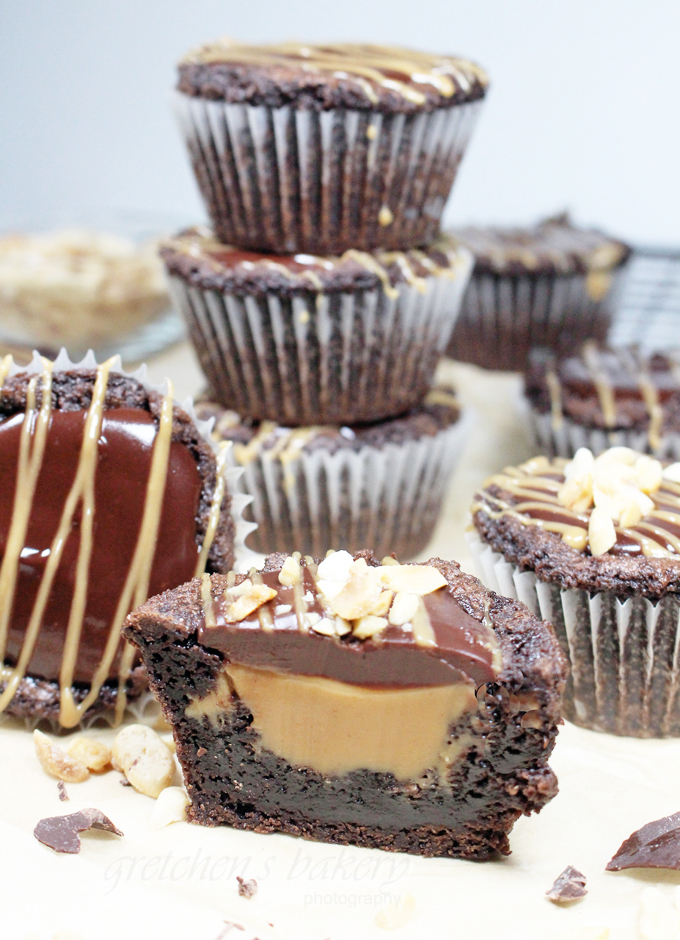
(648, 312)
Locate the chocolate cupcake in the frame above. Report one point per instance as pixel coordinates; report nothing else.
(376, 485)
(110, 493)
(553, 285)
(599, 398)
(304, 340)
(594, 545)
(400, 707)
(324, 148)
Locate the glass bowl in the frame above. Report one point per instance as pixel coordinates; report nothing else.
(85, 280)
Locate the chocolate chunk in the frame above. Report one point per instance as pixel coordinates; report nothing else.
(61, 832)
(63, 795)
(656, 845)
(246, 889)
(569, 886)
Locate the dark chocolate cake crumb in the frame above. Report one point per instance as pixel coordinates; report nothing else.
(63, 795)
(569, 886)
(61, 832)
(246, 889)
(124, 782)
(656, 845)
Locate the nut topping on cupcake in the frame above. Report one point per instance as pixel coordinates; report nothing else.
(621, 502)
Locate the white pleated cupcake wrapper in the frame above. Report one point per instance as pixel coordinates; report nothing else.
(565, 440)
(245, 558)
(293, 180)
(624, 654)
(385, 498)
(323, 358)
(503, 317)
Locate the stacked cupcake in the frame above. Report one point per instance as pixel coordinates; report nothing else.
(325, 295)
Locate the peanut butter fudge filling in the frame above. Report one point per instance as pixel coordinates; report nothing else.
(98, 509)
(379, 704)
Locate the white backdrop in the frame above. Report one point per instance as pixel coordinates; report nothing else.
(583, 113)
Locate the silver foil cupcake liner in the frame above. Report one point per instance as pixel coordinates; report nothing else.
(565, 438)
(503, 317)
(245, 558)
(624, 653)
(323, 358)
(290, 180)
(387, 498)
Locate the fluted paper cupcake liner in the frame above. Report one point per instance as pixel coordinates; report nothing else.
(565, 438)
(386, 498)
(323, 358)
(245, 558)
(624, 653)
(503, 317)
(291, 180)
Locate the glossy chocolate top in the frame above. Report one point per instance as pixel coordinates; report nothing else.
(609, 389)
(109, 494)
(197, 257)
(353, 75)
(297, 630)
(553, 246)
(123, 465)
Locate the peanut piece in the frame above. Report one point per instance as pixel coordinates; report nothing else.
(146, 762)
(247, 601)
(170, 807)
(601, 532)
(404, 608)
(414, 579)
(57, 762)
(360, 593)
(369, 626)
(290, 572)
(93, 754)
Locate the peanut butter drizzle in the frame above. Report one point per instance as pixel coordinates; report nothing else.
(602, 384)
(136, 585)
(650, 396)
(215, 510)
(534, 492)
(31, 452)
(555, 392)
(371, 66)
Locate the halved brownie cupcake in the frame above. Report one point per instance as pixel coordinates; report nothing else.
(594, 545)
(600, 397)
(552, 285)
(402, 707)
(306, 340)
(377, 485)
(328, 147)
(109, 493)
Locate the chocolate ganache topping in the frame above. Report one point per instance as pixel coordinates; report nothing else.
(334, 74)
(375, 626)
(98, 511)
(196, 255)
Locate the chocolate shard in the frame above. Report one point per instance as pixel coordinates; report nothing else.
(63, 795)
(569, 886)
(656, 845)
(61, 832)
(246, 889)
